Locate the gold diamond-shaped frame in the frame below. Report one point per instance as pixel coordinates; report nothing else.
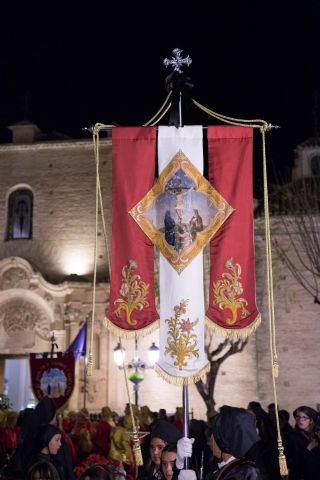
(180, 260)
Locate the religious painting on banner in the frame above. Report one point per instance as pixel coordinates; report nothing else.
(52, 377)
(180, 214)
(132, 309)
(232, 308)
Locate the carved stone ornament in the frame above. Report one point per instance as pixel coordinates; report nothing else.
(72, 314)
(19, 315)
(14, 277)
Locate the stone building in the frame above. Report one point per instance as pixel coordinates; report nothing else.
(47, 220)
(47, 246)
(296, 309)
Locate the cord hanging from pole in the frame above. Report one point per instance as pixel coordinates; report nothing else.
(176, 89)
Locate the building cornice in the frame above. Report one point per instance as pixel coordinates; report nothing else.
(53, 145)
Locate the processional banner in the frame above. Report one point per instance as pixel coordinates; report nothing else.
(182, 357)
(132, 307)
(52, 376)
(180, 214)
(232, 304)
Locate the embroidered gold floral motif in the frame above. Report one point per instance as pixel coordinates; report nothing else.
(227, 291)
(133, 291)
(181, 342)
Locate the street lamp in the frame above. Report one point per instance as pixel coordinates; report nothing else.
(136, 367)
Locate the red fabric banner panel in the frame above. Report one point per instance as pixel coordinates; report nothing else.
(132, 299)
(232, 305)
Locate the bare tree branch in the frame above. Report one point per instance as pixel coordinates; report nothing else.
(216, 357)
(297, 204)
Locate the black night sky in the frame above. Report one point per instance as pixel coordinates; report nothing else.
(72, 65)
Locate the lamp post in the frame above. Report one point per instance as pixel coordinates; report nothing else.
(136, 367)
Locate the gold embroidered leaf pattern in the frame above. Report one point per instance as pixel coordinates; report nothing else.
(133, 292)
(227, 291)
(181, 341)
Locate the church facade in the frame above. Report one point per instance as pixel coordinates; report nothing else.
(47, 218)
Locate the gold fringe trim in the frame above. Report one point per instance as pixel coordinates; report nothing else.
(121, 332)
(233, 333)
(179, 381)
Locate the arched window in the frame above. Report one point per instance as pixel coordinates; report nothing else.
(315, 165)
(20, 206)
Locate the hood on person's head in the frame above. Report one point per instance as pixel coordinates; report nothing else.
(46, 435)
(255, 407)
(24, 416)
(84, 414)
(45, 411)
(166, 431)
(234, 430)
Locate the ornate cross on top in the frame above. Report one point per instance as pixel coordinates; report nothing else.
(177, 61)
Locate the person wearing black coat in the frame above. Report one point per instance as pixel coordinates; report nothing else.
(162, 434)
(303, 451)
(48, 445)
(232, 441)
(32, 427)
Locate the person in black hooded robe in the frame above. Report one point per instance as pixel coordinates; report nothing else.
(233, 442)
(32, 426)
(31, 422)
(162, 434)
(48, 445)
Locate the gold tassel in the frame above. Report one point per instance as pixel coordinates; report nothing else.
(90, 365)
(282, 460)
(137, 449)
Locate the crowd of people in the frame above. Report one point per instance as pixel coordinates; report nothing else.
(234, 444)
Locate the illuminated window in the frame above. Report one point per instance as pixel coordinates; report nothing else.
(20, 206)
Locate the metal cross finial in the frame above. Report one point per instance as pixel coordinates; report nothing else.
(177, 61)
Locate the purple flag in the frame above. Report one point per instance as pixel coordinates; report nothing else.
(79, 344)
